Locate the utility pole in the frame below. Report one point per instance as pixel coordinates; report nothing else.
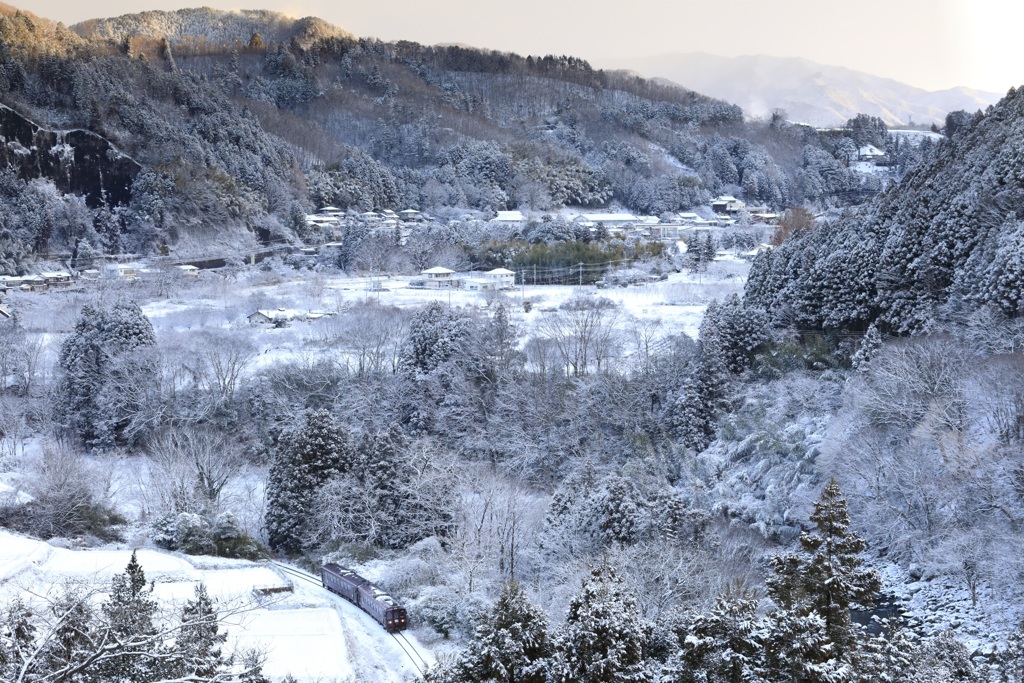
(581, 274)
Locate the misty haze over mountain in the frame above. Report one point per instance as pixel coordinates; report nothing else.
(810, 92)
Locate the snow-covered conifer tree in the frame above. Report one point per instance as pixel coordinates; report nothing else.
(306, 458)
(827, 577)
(511, 644)
(603, 637)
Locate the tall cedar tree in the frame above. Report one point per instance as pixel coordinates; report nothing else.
(95, 359)
(198, 646)
(603, 637)
(306, 458)
(129, 616)
(511, 643)
(826, 578)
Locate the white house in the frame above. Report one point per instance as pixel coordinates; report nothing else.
(191, 271)
(57, 278)
(509, 217)
(121, 270)
(727, 204)
(268, 316)
(476, 284)
(439, 278)
(503, 278)
(869, 153)
(608, 220)
(32, 283)
(410, 215)
(665, 231)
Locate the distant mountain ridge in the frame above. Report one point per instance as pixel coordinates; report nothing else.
(810, 93)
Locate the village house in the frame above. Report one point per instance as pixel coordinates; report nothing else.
(409, 215)
(608, 220)
(439, 278)
(666, 231)
(501, 278)
(476, 284)
(57, 279)
(122, 271)
(278, 317)
(33, 283)
(870, 153)
(727, 204)
(191, 271)
(509, 217)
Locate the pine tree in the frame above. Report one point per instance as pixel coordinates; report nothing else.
(867, 349)
(1010, 660)
(96, 360)
(798, 649)
(128, 616)
(603, 637)
(618, 512)
(826, 578)
(726, 644)
(307, 457)
(892, 656)
(511, 643)
(17, 634)
(197, 649)
(74, 636)
(692, 416)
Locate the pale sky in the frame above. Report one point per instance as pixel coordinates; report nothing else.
(932, 44)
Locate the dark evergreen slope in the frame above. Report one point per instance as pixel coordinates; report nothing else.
(952, 231)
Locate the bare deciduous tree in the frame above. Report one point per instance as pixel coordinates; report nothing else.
(585, 332)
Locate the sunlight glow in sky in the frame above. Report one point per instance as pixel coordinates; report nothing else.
(933, 44)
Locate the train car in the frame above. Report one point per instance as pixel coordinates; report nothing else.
(384, 609)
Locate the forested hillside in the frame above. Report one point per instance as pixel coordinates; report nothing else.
(940, 245)
(243, 121)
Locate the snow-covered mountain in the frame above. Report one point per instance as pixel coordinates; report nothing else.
(810, 92)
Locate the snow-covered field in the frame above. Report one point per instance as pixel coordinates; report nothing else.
(308, 633)
(678, 303)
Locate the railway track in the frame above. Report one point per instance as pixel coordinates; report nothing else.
(415, 658)
(298, 574)
(406, 645)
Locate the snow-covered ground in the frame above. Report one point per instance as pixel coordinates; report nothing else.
(309, 633)
(678, 303)
(666, 300)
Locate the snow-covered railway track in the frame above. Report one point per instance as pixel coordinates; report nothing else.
(415, 657)
(404, 643)
(294, 573)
